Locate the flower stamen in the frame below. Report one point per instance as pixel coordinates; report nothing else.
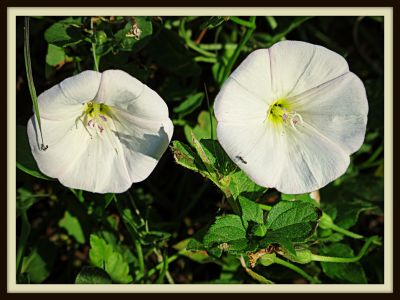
(94, 117)
(280, 112)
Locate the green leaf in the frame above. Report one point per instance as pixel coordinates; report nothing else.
(202, 130)
(259, 230)
(251, 211)
(345, 203)
(92, 275)
(72, 225)
(118, 268)
(291, 222)
(185, 156)
(200, 256)
(189, 105)
(25, 199)
(124, 250)
(228, 233)
(102, 255)
(300, 197)
(212, 162)
(25, 160)
(216, 157)
(241, 184)
(99, 251)
(55, 55)
(39, 262)
(194, 245)
(347, 215)
(343, 272)
(135, 35)
(64, 33)
(277, 238)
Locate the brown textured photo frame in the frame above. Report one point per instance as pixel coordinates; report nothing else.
(7, 6)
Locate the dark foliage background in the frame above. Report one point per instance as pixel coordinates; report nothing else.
(177, 56)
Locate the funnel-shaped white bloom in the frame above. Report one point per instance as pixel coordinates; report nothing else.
(291, 115)
(104, 131)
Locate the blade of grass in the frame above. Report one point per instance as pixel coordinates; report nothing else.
(23, 239)
(242, 22)
(31, 85)
(239, 48)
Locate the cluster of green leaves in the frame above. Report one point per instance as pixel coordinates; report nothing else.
(287, 228)
(166, 228)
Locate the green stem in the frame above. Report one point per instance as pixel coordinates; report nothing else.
(190, 43)
(345, 232)
(211, 60)
(95, 57)
(272, 22)
(239, 48)
(25, 231)
(242, 22)
(164, 271)
(139, 252)
(136, 242)
(213, 47)
(159, 266)
(232, 203)
(326, 222)
(196, 48)
(362, 252)
(265, 207)
(210, 112)
(253, 274)
(295, 268)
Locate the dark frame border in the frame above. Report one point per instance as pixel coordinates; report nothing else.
(394, 4)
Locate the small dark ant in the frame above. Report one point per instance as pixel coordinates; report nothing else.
(241, 159)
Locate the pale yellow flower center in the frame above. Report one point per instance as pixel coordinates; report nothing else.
(281, 112)
(95, 117)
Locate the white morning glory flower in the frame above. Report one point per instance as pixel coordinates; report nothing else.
(104, 131)
(291, 115)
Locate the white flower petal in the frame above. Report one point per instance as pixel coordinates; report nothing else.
(337, 109)
(112, 148)
(319, 122)
(125, 92)
(143, 142)
(65, 99)
(253, 75)
(100, 168)
(250, 146)
(78, 161)
(235, 103)
(239, 140)
(299, 66)
(65, 142)
(312, 161)
(292, 161)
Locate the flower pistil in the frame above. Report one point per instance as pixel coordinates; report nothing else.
(281, 112)
(95, 117)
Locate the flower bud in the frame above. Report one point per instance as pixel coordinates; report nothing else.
(325, 222)
(101, 37)
(303, 256)
(267, 259)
